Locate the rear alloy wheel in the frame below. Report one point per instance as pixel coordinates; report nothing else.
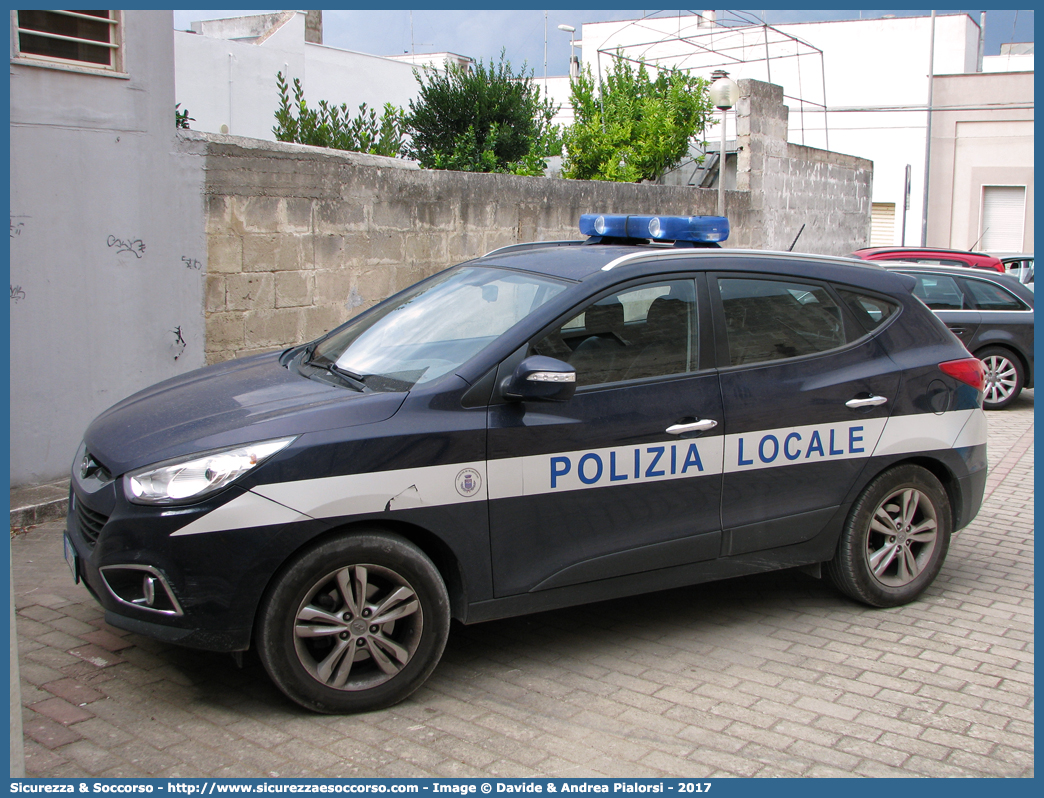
(1004, 377)
(354, 624)
(896, 539)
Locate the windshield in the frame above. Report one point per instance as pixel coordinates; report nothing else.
(433, 328)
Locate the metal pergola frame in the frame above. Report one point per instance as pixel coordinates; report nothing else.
(736, 38)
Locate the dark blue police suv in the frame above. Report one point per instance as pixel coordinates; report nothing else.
(550, 424)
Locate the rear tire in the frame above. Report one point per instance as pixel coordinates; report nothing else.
(895, 540)
(1005, 377)
(354, 624)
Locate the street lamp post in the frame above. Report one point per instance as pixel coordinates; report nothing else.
(572, 50)
(723, 93)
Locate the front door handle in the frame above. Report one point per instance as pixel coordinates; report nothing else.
(870, 401)
(702, 425)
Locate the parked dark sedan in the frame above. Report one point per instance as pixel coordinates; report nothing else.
(992, 314)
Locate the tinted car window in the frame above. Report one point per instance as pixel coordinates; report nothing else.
(939, 292)
(871, 311)
(775, 319)
(988, 296)
(646, 331)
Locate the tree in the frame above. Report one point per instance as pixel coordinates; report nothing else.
(483, 120)
(333, 126)
(637, 128)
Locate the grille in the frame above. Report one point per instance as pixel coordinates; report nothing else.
(90, 522)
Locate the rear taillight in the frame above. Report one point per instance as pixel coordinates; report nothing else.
(968, 370)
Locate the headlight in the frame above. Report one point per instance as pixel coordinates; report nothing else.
(189, 480)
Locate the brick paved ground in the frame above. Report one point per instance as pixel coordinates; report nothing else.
(773, 675)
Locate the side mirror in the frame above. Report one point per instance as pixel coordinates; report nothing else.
(541, 379)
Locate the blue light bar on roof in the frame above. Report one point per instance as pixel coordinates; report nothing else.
(701, 229)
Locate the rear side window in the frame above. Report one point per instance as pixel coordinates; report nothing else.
(871, 311)
(777, 319)
(939, 292)
(989, 296)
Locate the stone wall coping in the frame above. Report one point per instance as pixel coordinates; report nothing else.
(269, 148)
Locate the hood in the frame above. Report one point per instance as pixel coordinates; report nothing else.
(241, 401)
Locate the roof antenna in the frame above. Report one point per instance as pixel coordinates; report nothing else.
(977, 240)
(791, 247)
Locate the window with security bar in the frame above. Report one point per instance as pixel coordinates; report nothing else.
(85, 39)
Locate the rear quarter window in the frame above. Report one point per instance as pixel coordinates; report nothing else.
(870, 311)
(990, 296)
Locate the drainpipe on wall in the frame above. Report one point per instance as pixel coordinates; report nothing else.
(928, 136)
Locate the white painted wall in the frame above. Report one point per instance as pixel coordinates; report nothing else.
(872, 69)
(233, 83)
(96, 159)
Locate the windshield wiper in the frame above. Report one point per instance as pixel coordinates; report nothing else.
(350, 378)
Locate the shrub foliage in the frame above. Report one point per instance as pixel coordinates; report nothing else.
(487, 119)
(636, 128)
(333, 126)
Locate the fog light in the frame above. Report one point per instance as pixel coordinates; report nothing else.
(140, 586)
(148, 588)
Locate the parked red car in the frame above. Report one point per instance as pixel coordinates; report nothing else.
(932, 256)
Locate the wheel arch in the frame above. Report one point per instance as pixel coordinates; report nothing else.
(442, 557)
(941, 472)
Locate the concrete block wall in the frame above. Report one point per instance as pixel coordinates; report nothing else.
(790, 185)
(300, 239)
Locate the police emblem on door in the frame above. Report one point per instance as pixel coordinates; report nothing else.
(468, 482)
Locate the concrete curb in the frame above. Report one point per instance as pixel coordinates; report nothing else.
(39, 503)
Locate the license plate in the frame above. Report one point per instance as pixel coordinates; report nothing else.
(70, 558)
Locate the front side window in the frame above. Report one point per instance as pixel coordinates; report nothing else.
(81, 38)
(432, 329)
(777, 319)
(641, 332)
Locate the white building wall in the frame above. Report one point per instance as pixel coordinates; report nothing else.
(871, 70)
(97, 167)
(224, 82)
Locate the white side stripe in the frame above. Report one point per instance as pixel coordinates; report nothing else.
(248, 510)
(561, 472)
(926, 432)
(380, 491)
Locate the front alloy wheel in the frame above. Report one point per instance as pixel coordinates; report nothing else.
(358, 627)
(355, 623)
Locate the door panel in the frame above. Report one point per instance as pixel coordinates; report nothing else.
(794, 446)
(599, 477)
(597, 487)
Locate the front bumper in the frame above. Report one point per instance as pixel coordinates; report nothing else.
(205, 589)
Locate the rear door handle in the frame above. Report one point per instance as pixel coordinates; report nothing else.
(870, 401)
(702, 425)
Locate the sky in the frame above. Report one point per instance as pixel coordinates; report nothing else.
(481, 34)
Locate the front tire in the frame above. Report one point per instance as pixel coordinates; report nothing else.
(354, 624)
(1004, 377)
(895, 540)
